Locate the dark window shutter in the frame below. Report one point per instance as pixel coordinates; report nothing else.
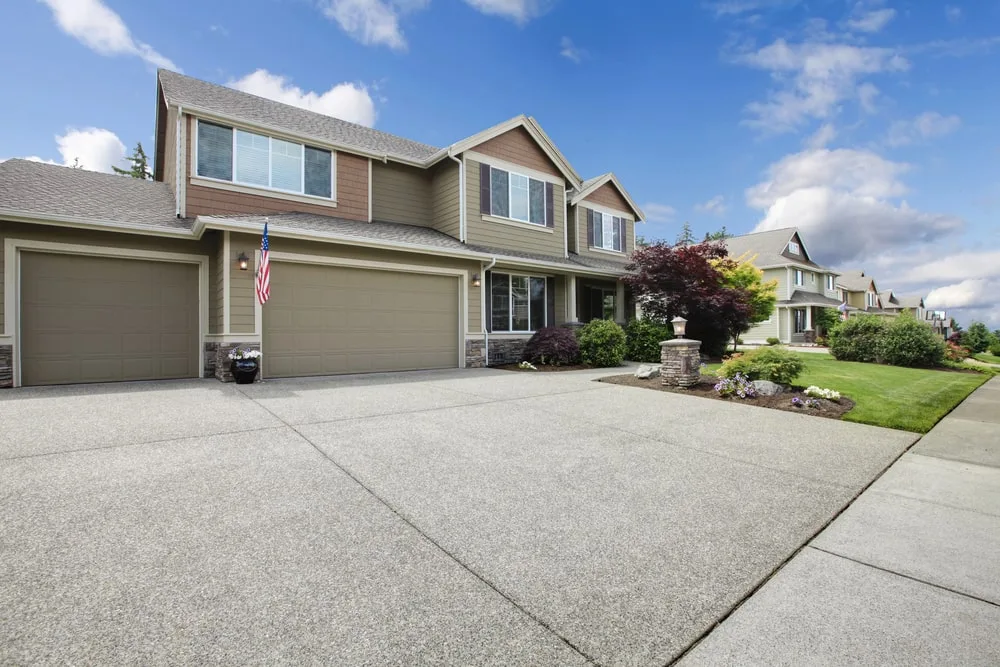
(590, 228)
(550, 302)
(484, 188)
(621, 233)
(550, 208)
(488, 278)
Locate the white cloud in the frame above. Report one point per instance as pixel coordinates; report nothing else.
(737, 7)
(848, 202)
(867, 93)
(347, 101)
(714, 206)
(822, 137)
(570, 51)
(372, 21)
(96, 149)
(35, 158)
(871, 21)
(927, 125)
(814, 79)
(101, 29)
(953, 14)
(978, 293)
(519, 11)
(659, 212)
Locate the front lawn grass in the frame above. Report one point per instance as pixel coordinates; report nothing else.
(910, 399)
(986, 357)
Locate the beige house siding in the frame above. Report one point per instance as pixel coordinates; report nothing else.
(242, 284)
(608, 195)
(402, 194)
(444, 198)
(518, 147)
(351, 194)
(67, 235)
(513, 235)
(169, 147)
(216, 281)
(584, 247)
(761, 331)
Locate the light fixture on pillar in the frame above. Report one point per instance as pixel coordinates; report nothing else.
(476, 280)
(244, 261)
(680, 324)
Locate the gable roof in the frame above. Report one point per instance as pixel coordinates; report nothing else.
(591, 185)
(37, 190)
(855, 280)
(911, 301)
(769, 247)
(202, 96)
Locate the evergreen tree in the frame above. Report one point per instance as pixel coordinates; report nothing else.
(140, 165)
(685, 237)
(720, 235)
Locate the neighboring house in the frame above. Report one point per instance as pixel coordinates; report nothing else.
(387, 254)
(896, 304)
(804, 286)
(939, 322)
(858, 291)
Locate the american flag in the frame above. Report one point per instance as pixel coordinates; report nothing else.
(263, 285)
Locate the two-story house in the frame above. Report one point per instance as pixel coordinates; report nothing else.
(858, 291)
(898, 304)
(803, 285)
(386, 254)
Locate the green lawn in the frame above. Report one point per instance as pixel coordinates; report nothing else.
(987, 357)
(910, 399)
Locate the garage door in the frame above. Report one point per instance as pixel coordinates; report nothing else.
(324, 320)
(98, 319)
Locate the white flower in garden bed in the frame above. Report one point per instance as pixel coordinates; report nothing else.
(241, 353)
(819, 392)
(528, 366)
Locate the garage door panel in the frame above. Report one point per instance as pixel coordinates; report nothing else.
(324, 320)
(101, 319)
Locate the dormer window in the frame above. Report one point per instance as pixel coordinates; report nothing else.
(793, 248)
(246, 158)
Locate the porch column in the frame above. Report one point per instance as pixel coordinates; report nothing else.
(620, 302)
(571, 314)
(809, 318)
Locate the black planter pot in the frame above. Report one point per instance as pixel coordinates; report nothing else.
(244, 370)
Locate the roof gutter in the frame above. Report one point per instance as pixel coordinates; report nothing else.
(461, 198)
(177, 163)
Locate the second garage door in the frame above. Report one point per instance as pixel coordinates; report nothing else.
(327, 320)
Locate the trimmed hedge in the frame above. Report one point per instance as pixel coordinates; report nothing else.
(553, 346)
(643, 338)
(857, 339)
(773, 341)
(602, 344)
(765, 363)
(907, 342)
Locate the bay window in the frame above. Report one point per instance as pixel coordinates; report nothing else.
(507, 194)
(247, 158)
(518, 303)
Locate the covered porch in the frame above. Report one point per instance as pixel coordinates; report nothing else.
(797, 317)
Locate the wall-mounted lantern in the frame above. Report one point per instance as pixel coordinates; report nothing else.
(244, 261)
(476, 280)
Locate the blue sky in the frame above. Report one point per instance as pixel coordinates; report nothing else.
(870, 125)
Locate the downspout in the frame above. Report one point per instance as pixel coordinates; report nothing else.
(486, 333)
(177, 163)
(461, 198)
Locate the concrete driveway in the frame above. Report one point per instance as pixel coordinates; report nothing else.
(458, 517)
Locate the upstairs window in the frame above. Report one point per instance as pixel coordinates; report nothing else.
(871, 299)
(829, 283)
(605, 231)
(793, 248)
(507, 194)
(261, 161)
(798, 277)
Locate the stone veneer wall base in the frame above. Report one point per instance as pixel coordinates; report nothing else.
(6, 366)
(502, 351)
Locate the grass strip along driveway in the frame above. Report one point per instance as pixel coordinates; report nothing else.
(910, 399)
(987, 358)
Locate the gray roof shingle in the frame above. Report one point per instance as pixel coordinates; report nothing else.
(801, 297)
(47, 190)
(854, 280)
(767, 246)
(187, 91)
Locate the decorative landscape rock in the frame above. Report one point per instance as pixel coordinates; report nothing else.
(767, 388)
(647, 371)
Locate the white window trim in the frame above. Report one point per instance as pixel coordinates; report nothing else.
(621, 234)
(510, 201)
(798, 248)
(510, 303)
(513, 222)
(829, 283)
(268, 188)
(798, 277)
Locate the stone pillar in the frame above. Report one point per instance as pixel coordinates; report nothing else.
(222, 362)
(680, 360)
(6, 366)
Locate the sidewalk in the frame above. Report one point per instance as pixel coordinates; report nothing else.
(909, 574)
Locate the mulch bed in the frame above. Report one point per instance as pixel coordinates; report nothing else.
(543, 368)
(705, 389)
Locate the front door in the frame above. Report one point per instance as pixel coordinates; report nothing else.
(800, 320)
(600, 304)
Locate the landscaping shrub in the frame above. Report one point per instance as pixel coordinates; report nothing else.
(773, 341)
(907, 342)
(643, 338)
(995, 349)
(766, 363)
(737, 385)
(954, 352)
(602, 344)
(977, 337)
(857, 339)
(554, 346)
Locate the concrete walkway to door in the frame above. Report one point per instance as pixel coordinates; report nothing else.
(452, 517)
(909, 574)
